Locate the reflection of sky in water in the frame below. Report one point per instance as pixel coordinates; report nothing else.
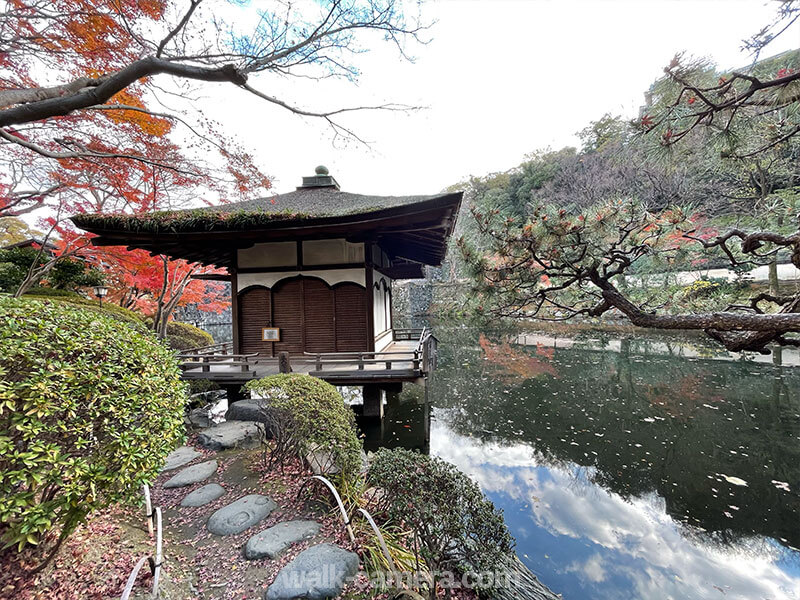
(585, 542)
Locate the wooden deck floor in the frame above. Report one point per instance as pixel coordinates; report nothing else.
(337, 370)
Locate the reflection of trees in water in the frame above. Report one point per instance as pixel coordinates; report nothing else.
(517, 364)
(644, 424)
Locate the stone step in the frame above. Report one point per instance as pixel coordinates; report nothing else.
(193, 474)
(240, 515)
(203, 495)
(179, 457)
(272, 542)
(231, 434)
(317, 573)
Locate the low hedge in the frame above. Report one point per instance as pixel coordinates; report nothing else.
(89, 409)
(112, 310)
(183, 336)
(319, 418)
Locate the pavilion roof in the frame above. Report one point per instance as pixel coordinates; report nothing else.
(412, 228)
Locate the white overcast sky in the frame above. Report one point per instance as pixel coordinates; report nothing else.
(499, 79)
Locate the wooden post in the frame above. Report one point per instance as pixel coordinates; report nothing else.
(370, 299)
(284, 366)
(236, 345)
(373, 401)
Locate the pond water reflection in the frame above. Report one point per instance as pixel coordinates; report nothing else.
(626, 469)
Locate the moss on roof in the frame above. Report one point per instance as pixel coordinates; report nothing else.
(303, 204)
(200, 219)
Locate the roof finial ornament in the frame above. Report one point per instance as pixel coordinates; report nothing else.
(321, 179)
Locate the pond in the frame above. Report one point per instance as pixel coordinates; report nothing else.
(626, 468)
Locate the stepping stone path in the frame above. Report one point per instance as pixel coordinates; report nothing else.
(192, 474)
(316, 573)
(240, 515)
(179, 457)
(272, 542)
(204, 495)
(231, 434)
(319, 572)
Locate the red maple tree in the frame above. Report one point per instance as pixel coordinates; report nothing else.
(96, 112)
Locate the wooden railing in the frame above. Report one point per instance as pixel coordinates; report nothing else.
(200, 360)
(428, 350)
(407, 334)
(421, 359)
(221, 348)
(220, 360)
(361, 360)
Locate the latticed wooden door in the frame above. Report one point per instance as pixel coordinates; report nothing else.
(255, 313)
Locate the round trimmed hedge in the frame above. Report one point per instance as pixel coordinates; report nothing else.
(319, 417)
(184, 336)
(458, 528)
(89, 409)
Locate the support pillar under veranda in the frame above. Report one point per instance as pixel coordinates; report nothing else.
(373, 401)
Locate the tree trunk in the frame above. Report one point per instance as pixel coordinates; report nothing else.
(737, 331)
(160, 301)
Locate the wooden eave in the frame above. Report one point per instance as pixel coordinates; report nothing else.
(417, 233)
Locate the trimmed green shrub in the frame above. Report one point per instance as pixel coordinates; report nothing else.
(313, 414)
(89, 409)
(109, 309)
(458, 528)
(183, 336)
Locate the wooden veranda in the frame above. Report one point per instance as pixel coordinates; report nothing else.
(410, 356)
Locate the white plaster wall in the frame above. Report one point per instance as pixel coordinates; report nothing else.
(786, 272)
(332, 252)
(382, 321)
(269, 254)
(382, 341)
(329, 276)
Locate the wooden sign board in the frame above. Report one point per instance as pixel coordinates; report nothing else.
(271, 334)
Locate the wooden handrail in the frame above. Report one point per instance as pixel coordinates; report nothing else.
(407, 333)
(366, 361)
(360, 360)
(224, 346)
(205, 367)
(357, 353)
(218, 357)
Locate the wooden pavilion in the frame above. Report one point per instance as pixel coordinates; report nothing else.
(311, 271)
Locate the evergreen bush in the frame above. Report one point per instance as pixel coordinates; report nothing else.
(183, 336)
(109, 309)
(313, 414)
(89, 409)
(459, 530)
